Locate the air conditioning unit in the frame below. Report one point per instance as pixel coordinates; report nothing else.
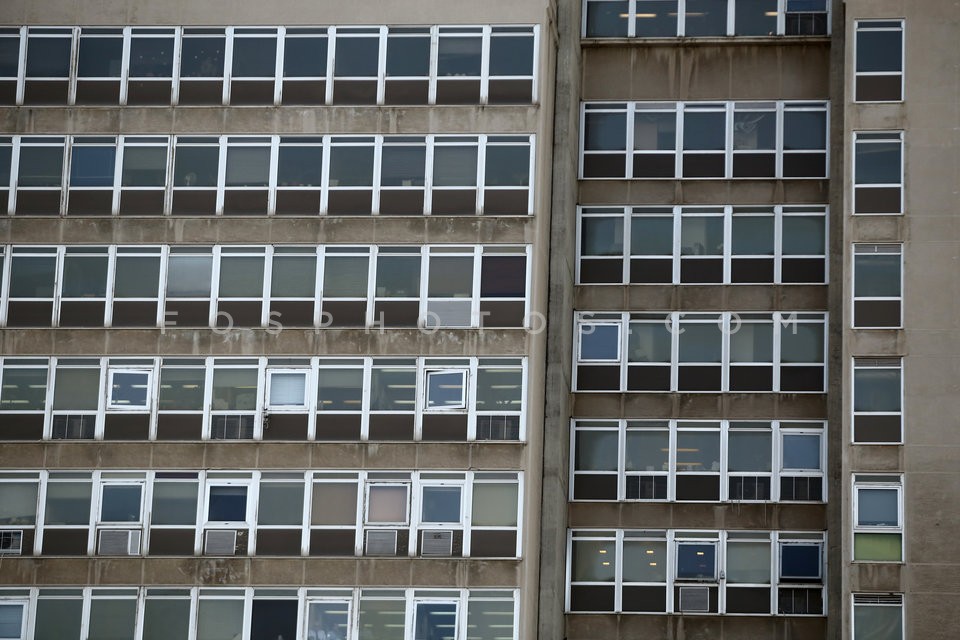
(694, 599)
(436, 543)
(11, 542)
(381, 542)
(119, 542)
(220, 542)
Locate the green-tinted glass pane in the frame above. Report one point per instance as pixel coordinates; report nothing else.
(877, 547)
(181, 389)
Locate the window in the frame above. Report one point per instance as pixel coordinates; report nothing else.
(76, 394)
(440, 504)
(13, 619)
(700, 352)
(129, 389)
(151, 65)
(328, 619)
(877, 278)
(446, 390)
(23, 397)
(47, 72)
(227, 503)
(99, 65)
(877, 400)
(253, 66)
(693, 139)
(166, 612)
(878, 616)
(878, 172)
(704, 18)
(387, 504)
(696, 561)
(435, 620)
(879, 60)
(121, 503)
(684, 460)
(878, 518)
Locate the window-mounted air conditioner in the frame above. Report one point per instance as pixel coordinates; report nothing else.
(220, 542)
(436, 543)
(381, 542)
(694, 599)
(119, 542)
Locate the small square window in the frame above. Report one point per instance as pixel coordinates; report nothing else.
(599, 342)
(121, 503)
(441, 504)
(696, 561)
(129, 389)
(800, 562)
(288, 389)
(387, 503)
(227, 504)
(446, 390)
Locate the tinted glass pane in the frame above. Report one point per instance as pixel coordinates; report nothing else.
(403, 166)
(351, 166)
(700, 342)
(799, 561)
(328, 620)
(219, 619)
(121, 503)
(299, 166)
(58, 619)
(499, 389)
(387, 503)
(876, 390)
(68, 503)
(801, 342)
(189, 276)
(651, 236)
(593, 560)
(92, 166)
(112, 619)
(450, 277)
(599, 342)
(346, 277)
(77, 389)
(6, 153)
(490, 619)
(803, 236)
(495, 504)
(435, 621)
(877, 622)
(9, 57)
(801, 452)
(273, 619)
(877, 507)
(181, 389)
(656, 18)
(163, 618)
(648, 342)
(459, 56)
(605, 131)
(804, 130)
(876, 276)
(356, 57)
(40, 166)
(248, 166)
(701, 236)
(174, 503)
(382, 619)
(704, 131)
(23, 389)
(227, 504)
(241, 277)
(196, 166)
(698, 451)
(254, 57)
(877, 163)
(334, 503)
(756, 17)
(398, 276)
(202, 57)
(706, 17)
(408, 56)
(151, 57)
(305, 57)
(129, 389)
(18, 503)
(654, 131)
(445, 389)
(441, 504)
(144, 166)
(753, 236)
(11, 620)
(48, 57)
(749, 451)
(596, 450)
(879, 51)
(605, 19)
(752, 342)
(455, 166)
(755, 130)
(511, 56)
(99, 57)
(748, 562)
(601, 237)
(235, 389)
(696, 561)
(507, 166)
(32, 277)
(136, 277)
(392, 389)
(281, 503)
(644, 561)
(84, 277)
(647, 450)
(293, 276)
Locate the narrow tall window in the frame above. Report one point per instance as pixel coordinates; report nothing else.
(878, 172)
(878, 518)
(877, 400)
(877, 290)
(879, 61)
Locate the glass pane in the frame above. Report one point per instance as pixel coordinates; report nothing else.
(121, 503)
(876, 390)
(748, 562)
(254, 57)
(166, 618)
(877, 163)
(305, 57)
(508, 166)
(706, 17)
(441, 504)
(799, 561)
(382, 619)
(288, 389)
(403, 166)
(599, 342)
(219, 619)
(756, 18)
(299, 166)
(459, 56)
(804, 130)
(596, 450)
(18, 503)
(189, 276)
(241, 277)
(454, 166)
(11, 620)
(647, 450)
(356, 57)
(351, 166)
(273, 619)
(648, 342)
(753, 236)
(144, 167)
(387, 504)
(84, 277)
(68, 503)
(227, 504)
(175, 503)
(334, 503)
(593, 561)
(40, 167)
(196, 166)
(129, 389)
(32, 277)
(704, 130)
(607, 19)
(58, 619)
(696, 561)
(499, 389)
(490, 620)
(877, 508)
(392, 389)
(281, 503)
(234, 389)
(605, 132)
(99, 57)
(181, 389)
(700, 342)
(445, 389)
(112, 619)
(435, 621)
(753, 342)
(48, 57)
(601, 237)
(9, 56)
(151, 57)
(511, 56)
(878, 547)
(654, 131)
(328, 620)
(877, 276)
(877, 622)
(293, 277)
(651, 236)
(450, 277)
(346, 277)
(77, 389)
(749, 451)
(92, 166)
(803, 236)
(495, 504)
(698, 451)
(644, 561)
(879, 51)
(701, 236)
(408, 56)
(23, 389)
(136, 277)
(248, 166)
(801, 451)
(398, 276)
(801, 342)
(340, 390)
(202, 57)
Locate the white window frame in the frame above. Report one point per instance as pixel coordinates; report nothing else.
(867, 25)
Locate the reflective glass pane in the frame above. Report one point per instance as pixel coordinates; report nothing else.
(23, 389)
(340, 389)
(346, 277)
(596, 450)
(749, 451)
(698, 451)
(877, 507)
(151, 57)
(696, 561)
(507, 166)
(392, 389)
(701, 236)
(227, 504)
(459, 56)
(144, 166)
(181, 389)
(644, 561)
(801, 451)
(387, 504)
(196, 166)
(511, 56)
(299, 166)
(254, 57)
(647, 450)
(601, 237)
(877, 276)
(305, 57)
(450, 277)
(651, 236)
(11, 620)
(700, 342)
(440, 504)
(334, 503)
(58, 619)
(599, 342)
(607, 19)
(755, 18)
(68, 503)
(752, 342)
(382, 619)
(328, 620)
(879, 51)
(445, 389)
(654, 131)
(129, 389)
(593, 561)
(202, 57)
(18, 503)
(804, 130)
(435, 621)
(281, 503)
(121, 503)
(48, 57)
(704, 131)
(799, 561)
(164, 618)
(706, 18)
(92, 166)
(9, 56)
(248, 166)
(605, 131)
(175, 503)
(877, 163)
(803, 235)
(753, 235)
(801, 342)
(499, 389)
(351, 166)
(495, 504)
(877, 622)
(454, 166)
(273, 619)
(136, 277)
(490, 619)
(356, 57)
(403, 166)
(219, 619)
(84, 276)
(408, 56)
(398, 276)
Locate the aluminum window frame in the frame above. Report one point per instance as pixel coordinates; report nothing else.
(873, 482)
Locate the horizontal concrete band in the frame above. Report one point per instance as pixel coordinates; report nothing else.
(627, 627)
